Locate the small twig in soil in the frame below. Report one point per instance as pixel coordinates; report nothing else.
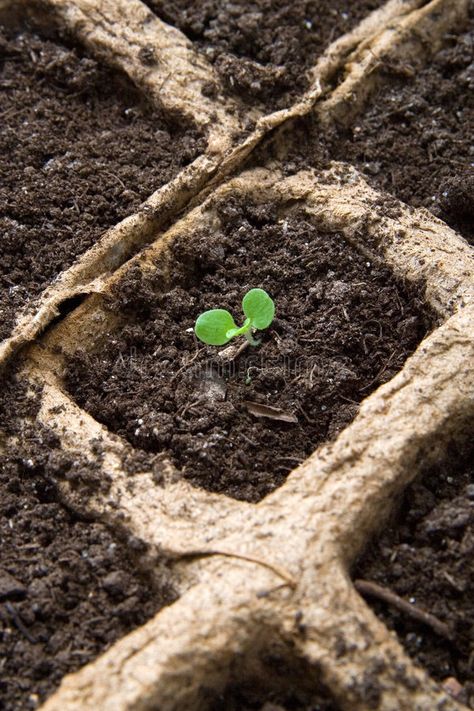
(115, 177)
(232, 352)
(247, 439)
(306, 416)
(311, 375)
(281, 572)
(381, 371)
(186, 365)
(370, 589)
(18, 623)
(188, 406)
(347, 399)
(377, 322)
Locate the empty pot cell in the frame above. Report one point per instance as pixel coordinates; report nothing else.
(262, 49)
(79, 150)
(415, 139)
(343, 326)
(425, 558)
(68, 588)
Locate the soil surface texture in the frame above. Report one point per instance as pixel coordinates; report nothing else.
(426, 557)
(262, 49)
(68, 588)
(247, 697)
(416, 139)
(343, 326)
(79, 150)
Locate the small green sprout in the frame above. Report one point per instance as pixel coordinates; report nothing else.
(217, 327)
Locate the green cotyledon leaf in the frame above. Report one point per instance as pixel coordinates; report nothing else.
(259, 308)
(212, 327)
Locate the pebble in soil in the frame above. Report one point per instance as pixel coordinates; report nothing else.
(426, 557)
(262, 49)
(343, 326)
(79, 151)
(68, 587)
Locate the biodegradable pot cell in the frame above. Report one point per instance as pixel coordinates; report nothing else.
(263, 51)
(235, 420)
(262, 585)
(415, 139)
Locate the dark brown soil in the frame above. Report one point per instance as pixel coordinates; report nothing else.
(242, 698)
(274, 681)
(248, 697)
(426, 557)
(68, 588)
(262, 49)
(79, 151)
(342, 327)
(415, 140)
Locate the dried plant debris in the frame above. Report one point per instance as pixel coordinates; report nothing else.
(273, 413)
(343, 326)
(79, 151)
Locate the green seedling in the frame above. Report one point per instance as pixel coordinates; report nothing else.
(217, 327)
